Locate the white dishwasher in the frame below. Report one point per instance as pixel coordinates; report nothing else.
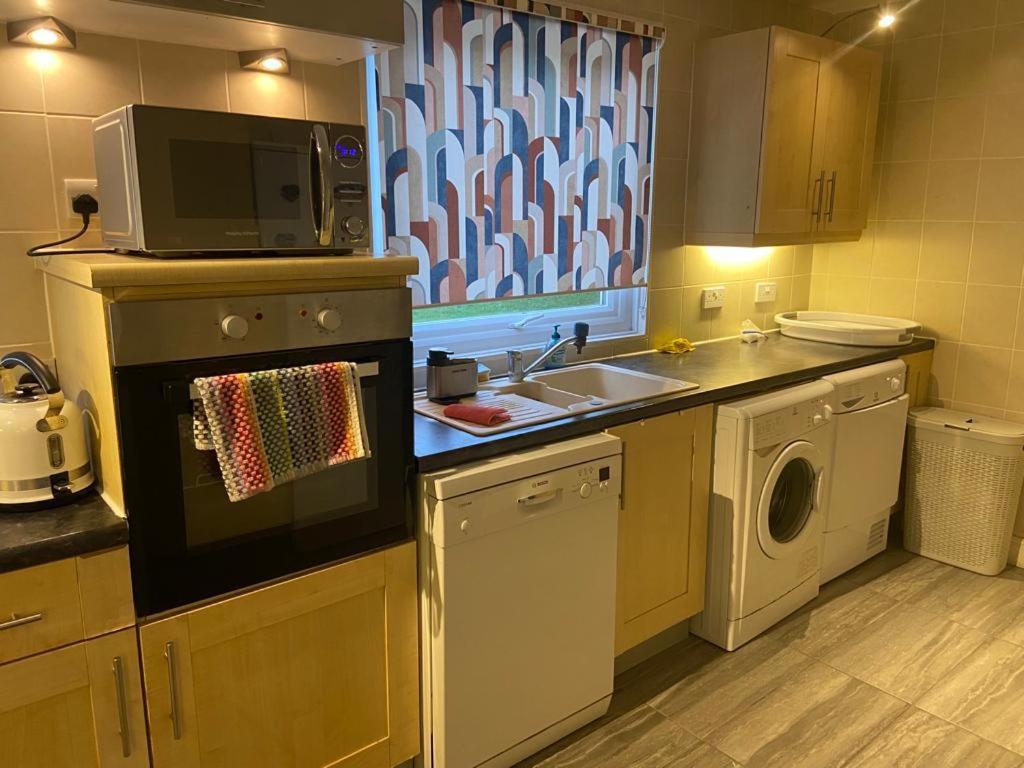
(517, 579)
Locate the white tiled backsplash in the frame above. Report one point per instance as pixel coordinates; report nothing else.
(47, 99)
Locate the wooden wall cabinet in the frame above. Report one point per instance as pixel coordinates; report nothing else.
(75, 707)
(662, 523)
(782, 139)
(318, 670)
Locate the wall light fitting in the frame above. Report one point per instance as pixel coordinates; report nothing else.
(43, 31)
(274, 60)
(886, 17)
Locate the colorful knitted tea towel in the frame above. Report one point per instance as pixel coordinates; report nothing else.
(271, 427)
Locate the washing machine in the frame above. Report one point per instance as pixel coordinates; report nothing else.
(870, 414)
(764, 535)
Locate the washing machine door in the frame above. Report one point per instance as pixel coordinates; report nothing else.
(790, 498)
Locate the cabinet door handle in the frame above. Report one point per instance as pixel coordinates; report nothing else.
(831, 196)
(122, 707)
(818, 194)
(20, 621)
(172, 689)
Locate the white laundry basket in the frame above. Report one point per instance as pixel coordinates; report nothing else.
(964, 477)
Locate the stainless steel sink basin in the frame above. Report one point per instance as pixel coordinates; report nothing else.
(551, 395)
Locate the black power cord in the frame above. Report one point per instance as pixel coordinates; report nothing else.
(85, 206)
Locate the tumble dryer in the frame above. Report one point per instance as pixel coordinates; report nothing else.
(770, 478)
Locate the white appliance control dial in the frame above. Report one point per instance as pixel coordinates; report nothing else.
(895, 384)
(355, 226)
(328, 319)
(234, 326)
(828, 412)
(465, 525)
(585, 490)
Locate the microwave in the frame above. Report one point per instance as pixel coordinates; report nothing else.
(184, 182)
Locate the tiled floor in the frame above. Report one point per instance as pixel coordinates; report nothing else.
(901, 662)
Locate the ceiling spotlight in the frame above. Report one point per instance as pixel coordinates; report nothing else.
(271, 60)
(45, 31)
(886, 20)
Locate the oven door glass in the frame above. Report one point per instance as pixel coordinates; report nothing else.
(189, 542)
(211, 181)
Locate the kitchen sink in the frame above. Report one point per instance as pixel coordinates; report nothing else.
(550, 395)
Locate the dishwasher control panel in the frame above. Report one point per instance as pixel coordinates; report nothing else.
(488, 511)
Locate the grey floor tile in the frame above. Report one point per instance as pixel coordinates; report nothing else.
(988, 603)
(906, 652)
(905, 576)
(702, 756)
(919, 740)
(834, 618)
(985, 695)
(819, 718)
(643, 738)
(720, 685)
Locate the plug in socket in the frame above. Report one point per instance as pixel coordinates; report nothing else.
(75, 187)
(713, 298)
(766, 292)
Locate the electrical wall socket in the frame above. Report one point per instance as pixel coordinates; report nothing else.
(75, 187)
(712, 298)
(765, 293)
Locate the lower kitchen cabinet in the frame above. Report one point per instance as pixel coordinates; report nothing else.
(919, 372)
(319, 670)
(75, 707)
(662, 522)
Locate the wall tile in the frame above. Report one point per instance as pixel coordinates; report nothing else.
(952, 190)
(990, 315)
(673, 139)
(726, 320)
(782, 262)
(669, 190)
(667, 257)
(23, 309)
(699, 269)
(981, 375)
(663, 315)
(801, 296)
(1004, 126)
(918, 19)
(997, 254)
(945, 251)
(939, 308)
(915, 66)
(902, 192)
(897, 249)
(100, 76)
(908, 130)
(891, 298)
(335, 94)
(1008, 60)
(803, 258)
(676, 66)
(1010, 12)
(1001, 191)
(850, 293)
(962, 15)
(260, 93)
(21, 87)
(944, 357)
(695, 322)
(72, 155)
(818, 297)
(184, 75)
(964, 65)
(26, 196)
(1015, 391)
(958, 127)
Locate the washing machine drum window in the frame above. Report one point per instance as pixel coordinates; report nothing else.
(788, 499)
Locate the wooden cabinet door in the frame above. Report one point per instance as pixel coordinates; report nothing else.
(75, 707)
(790, 186)
(319, 670)
(851, 93)
(662, 523)
(919, 371)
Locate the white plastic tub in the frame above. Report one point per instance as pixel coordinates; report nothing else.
(847, 328)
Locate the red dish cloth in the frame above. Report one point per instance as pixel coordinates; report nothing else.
(485, 415)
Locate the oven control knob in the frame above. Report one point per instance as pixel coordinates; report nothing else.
(234, 326)
(355, 226)
(585, 490)
(328, 319)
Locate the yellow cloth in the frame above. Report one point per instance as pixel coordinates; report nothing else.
(677, 347)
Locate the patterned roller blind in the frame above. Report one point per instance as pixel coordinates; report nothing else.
(516, 152)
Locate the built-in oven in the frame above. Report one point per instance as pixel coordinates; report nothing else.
(180, 182)
(188, 542)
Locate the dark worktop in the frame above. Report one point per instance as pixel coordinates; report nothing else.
(83, 526)
(725, 370)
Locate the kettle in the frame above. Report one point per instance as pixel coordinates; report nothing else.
(44, 456)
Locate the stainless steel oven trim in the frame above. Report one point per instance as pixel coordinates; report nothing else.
(172, 330)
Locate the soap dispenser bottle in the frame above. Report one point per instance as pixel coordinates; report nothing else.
(557, 360)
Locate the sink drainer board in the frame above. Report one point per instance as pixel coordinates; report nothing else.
(549, 395)
(523, 411)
